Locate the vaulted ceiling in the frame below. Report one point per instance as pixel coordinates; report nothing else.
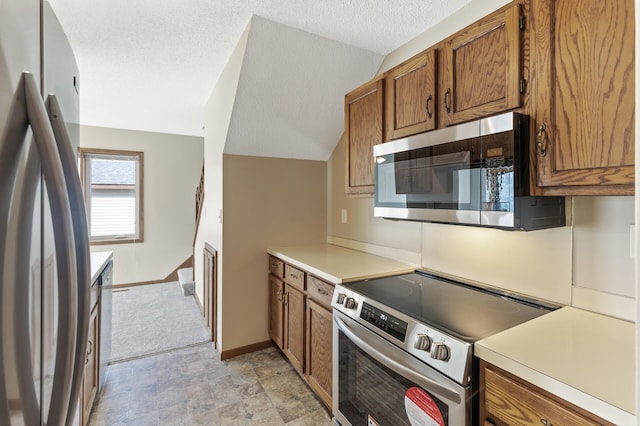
(151, 64)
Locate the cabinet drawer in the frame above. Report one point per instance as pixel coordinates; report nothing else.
(294, 277)
(276, 266)
(514, 404)
(320, 291)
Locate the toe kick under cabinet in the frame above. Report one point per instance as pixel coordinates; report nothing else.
(300, 323)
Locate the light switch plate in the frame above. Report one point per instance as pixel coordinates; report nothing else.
(343, 215)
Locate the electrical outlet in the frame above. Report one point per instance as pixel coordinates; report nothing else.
(343, 215)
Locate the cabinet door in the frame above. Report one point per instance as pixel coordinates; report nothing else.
(276, 310)
(585, 107)
(294, 327)
(319, 370)
(511, 401)
(483, 68)
(410, 93)
(90, 379)
(363, 128)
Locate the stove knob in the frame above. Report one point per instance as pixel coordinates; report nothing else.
(340, 298)
(439, 351)
(423, 342)
(350, 303)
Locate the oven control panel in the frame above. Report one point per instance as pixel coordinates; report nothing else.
(386, 322)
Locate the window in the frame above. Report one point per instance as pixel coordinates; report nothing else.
(113, 183)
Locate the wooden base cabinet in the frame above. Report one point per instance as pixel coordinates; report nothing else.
(90, 379)
(300, 323)
(508, 400)
(319, 371)
(293, 346)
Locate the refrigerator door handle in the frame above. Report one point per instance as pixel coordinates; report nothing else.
(64, 247)
(81, 237)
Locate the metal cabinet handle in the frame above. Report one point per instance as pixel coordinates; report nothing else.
(81, 240)
(545, 422)
(541, 140)
(447, 100)
(88, 353)
(428, 106)
(323, 291)
(279, 296)
(285, 299)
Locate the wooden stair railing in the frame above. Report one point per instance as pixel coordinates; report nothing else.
(199, 204)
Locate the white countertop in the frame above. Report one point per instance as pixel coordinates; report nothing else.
(338, 264)
(585, 358)
(99, 260)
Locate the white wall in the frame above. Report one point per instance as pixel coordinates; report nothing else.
(172, 165)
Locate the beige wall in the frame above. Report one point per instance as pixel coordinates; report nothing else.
(592, 254)
(267, 202)
(217, 117)
(172, 165)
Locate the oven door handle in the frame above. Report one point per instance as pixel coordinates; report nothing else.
(393, 358)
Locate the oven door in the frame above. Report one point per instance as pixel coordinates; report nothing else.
(375, 383)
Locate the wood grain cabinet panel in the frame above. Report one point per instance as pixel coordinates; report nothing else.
(319, 369)
(320, 291)
(294, 277)
(507, 400)
(294, 318)
(483, 68)
(585, 106)
(90, 378)
(411, 98)
(363, 129)
(276, 310)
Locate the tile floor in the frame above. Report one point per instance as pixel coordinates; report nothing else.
(191, 386)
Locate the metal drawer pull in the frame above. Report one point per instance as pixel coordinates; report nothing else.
(545, 422)
(323, 291)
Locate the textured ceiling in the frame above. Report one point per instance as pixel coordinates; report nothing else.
(151, 64)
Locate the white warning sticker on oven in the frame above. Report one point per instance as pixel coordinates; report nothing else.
(421, 408)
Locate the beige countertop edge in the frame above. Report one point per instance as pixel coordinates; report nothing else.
(339, 279)
(581, 399)
(99, 260)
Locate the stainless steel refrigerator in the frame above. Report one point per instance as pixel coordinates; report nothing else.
(44, 252)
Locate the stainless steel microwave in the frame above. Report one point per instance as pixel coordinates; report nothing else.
(475, 173)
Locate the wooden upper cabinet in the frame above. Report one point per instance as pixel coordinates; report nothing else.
(483, 68)
(584, 103)
(410, 92)
(363, 129)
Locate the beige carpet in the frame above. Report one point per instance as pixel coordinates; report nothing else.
(152, 319)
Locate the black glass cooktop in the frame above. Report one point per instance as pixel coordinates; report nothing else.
(466, 312)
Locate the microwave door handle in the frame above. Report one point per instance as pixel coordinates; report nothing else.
(64, 249)
(81, 239)
(394, 359)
